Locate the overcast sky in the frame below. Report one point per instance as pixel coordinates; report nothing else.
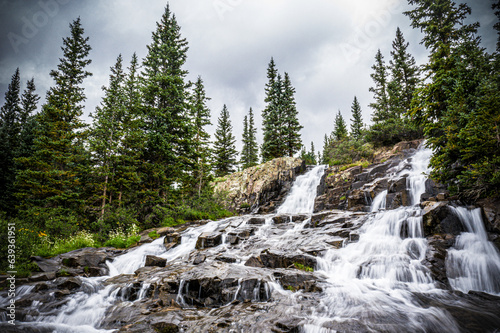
(326, 46)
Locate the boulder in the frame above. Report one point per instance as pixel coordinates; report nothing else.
(172, 240)
(438, 218)
(207, 239)
(199, 258)
(291, 280)
(280, 219)
(256, 220)
(89, 256)
(275, 259)
(155, 261)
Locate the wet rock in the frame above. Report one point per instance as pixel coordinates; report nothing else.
(397, 185)
(227, 259)
(337, 244)
(288, 325)
(275, 259)
(162, 327)
(90, 257)
(491, 214)
(256, 220)
(49, 276)
(280, 219)
(171, 240)
(199, 258)
(299, 218)
(358, 200)
(439, 218)
(394, 200)
(207, 239)
(68, 283)
(435, 257)
(298, 281)
(155, 261)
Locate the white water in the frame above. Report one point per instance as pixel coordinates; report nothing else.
(474, 262)
(373, 280)
(86, 309)
(303, 192)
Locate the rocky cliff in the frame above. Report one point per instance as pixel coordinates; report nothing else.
(263, 186)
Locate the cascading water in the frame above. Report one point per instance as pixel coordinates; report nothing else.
(374, 280)
(474, 262)
(376, 283)
(303, 192)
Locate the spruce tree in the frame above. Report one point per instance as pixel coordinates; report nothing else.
(225, 153)
(54, 176)
(106, 135)
(339, 128)
(28, 121)
(201, 118)
(10, 128)
(129, 152)
(273, 143)
(290, 123)
(169, 146)
(356, 121)
(404, 77)
(458, 106)
(253, 147)
(379, 76)
(249, 152)
(325, 154)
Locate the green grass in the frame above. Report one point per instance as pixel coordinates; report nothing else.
(80, 240)
(303, 267)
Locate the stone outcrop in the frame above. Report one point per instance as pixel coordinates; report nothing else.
(438, 218)
(264, 186)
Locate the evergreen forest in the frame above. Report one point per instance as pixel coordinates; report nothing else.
(147, 160)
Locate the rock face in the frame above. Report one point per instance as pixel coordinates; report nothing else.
(264, 186)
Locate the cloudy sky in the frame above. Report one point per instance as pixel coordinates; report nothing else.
(327, 47)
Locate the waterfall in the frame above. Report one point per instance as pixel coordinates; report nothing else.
(375, 279)
(377, 283)
(303, 193)
(474, 262)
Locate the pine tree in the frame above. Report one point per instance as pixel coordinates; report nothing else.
(290, 124)
(28, 120)
(10, 128)
(326, 146)
(273, 143)
(169, 145)
(106, 135)
(225, 153)
(53, 177)
(339, 128)
(244, 151)
(253, 147)
(356, 121)
(130, 151)
(249, 152)
(201, 118)
(381, 104)
(404, 77)
(458, 106)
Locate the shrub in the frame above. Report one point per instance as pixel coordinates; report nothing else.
(121, 239)
(77, 241)
(153, 234)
